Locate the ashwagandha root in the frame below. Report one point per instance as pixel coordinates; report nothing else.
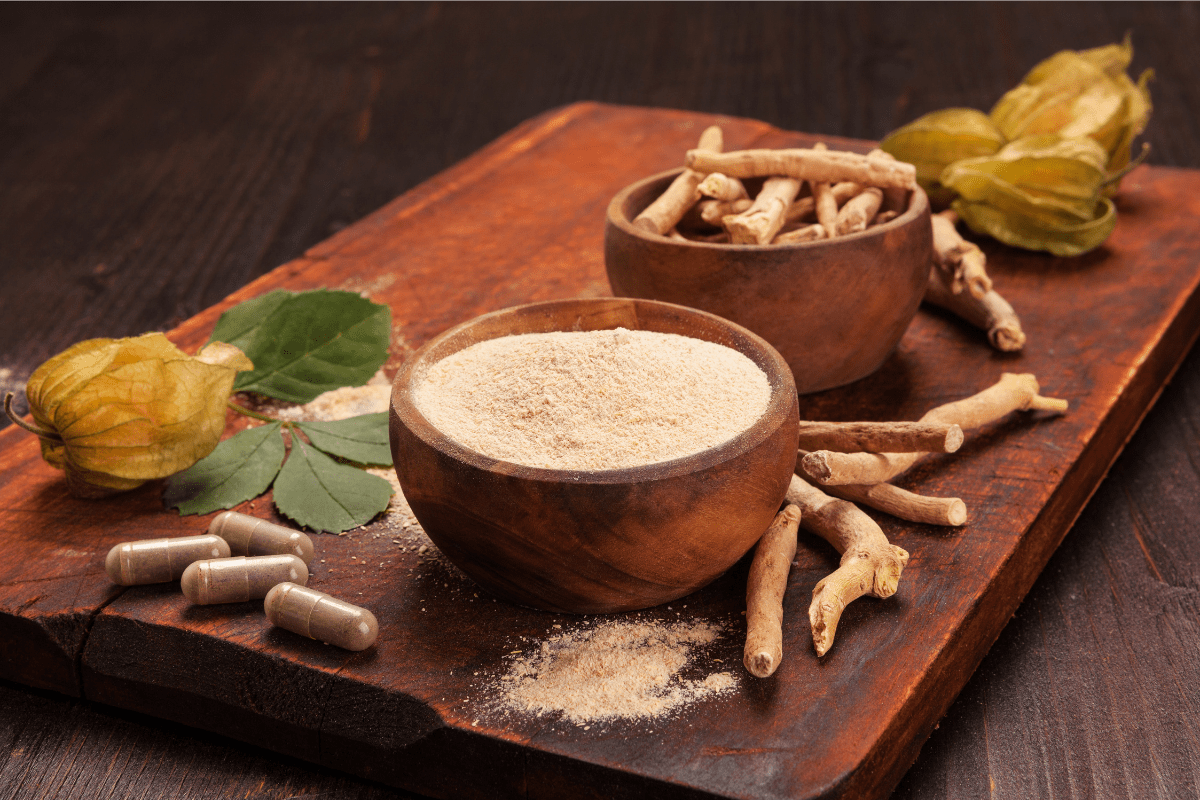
(805, 207)
(764, 593)
(881, 437)
(713, 211)
(858, 212)
(809, 233)
(903, 504)
(895, 199)
(722, 187)
(870, 563)
(665, 212)
(825, 205)
(720, 237)
(829, 166)
(1011, 393)
(759, 223)
(962, 263)
(989, 312)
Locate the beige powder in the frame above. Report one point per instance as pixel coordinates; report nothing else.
(616, 670)
(593, 400)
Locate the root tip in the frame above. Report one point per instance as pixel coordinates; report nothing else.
(1054, 404)
(761, 664)
(817, 466)
(954, 439)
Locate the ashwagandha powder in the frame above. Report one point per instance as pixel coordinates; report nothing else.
(616, 670)
(593, 400)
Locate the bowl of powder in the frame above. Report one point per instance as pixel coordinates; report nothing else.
(596, 455)
(835, 308)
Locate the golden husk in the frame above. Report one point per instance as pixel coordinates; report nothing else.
(130, 410)
(1080, 93)
(1042, 192)
(938, 139)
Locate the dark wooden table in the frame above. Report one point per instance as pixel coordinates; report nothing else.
(154, 158)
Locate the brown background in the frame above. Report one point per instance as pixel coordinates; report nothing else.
(155, 158)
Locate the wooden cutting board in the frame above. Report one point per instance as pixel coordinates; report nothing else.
(522, 220)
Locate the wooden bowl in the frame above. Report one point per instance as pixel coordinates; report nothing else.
(834, 308)
(596, 541)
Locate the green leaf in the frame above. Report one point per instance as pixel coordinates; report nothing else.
(363, 439)
(319, 493)
(238, 325)
(241, 467)
(314, 342)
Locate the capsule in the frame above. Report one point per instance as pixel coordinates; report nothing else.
(251, 536)
(318, 616)
(160, 560)
(238, 579)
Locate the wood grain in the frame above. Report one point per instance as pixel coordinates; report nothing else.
(413, 702)
(378, 98)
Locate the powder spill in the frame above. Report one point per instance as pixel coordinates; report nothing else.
(616, 670)
(594, 400)
(348, 401)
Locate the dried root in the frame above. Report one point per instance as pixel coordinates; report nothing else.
(825, 205)
(809, 233)
(828, 166)
(881, 437)
(962, 263)
(903, 504)
(713, 211)
(990, 312)
(805, 207)
(665, 212)
(759, 223)
(764, 593)
(959, 283)
(722, 187)
(1011, 393)
(849, 193)
(870, 563)
(857, 214)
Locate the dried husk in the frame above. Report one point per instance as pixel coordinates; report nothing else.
(1042, 193)
(1080, 93)
(118, 412)
(938, 139)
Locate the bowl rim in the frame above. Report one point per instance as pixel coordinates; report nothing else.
(782, 383)
(614, 217)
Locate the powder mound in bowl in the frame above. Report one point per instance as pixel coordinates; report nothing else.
(592, 400)
(617, 670)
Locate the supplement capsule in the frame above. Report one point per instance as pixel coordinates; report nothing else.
(236, 580)
(251, 536)
(318, 616)
(160, 560)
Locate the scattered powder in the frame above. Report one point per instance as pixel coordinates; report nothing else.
(348, 401)
(398, 519)
(616, 670)
(593, 400)
(397, 522)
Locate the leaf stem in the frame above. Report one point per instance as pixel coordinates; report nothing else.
(253, 414)
(20, 423)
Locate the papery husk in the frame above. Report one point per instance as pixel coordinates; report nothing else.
(1042, 193)
(1080, 93)
(1019, 230)
(938, 139)
(119, 412)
